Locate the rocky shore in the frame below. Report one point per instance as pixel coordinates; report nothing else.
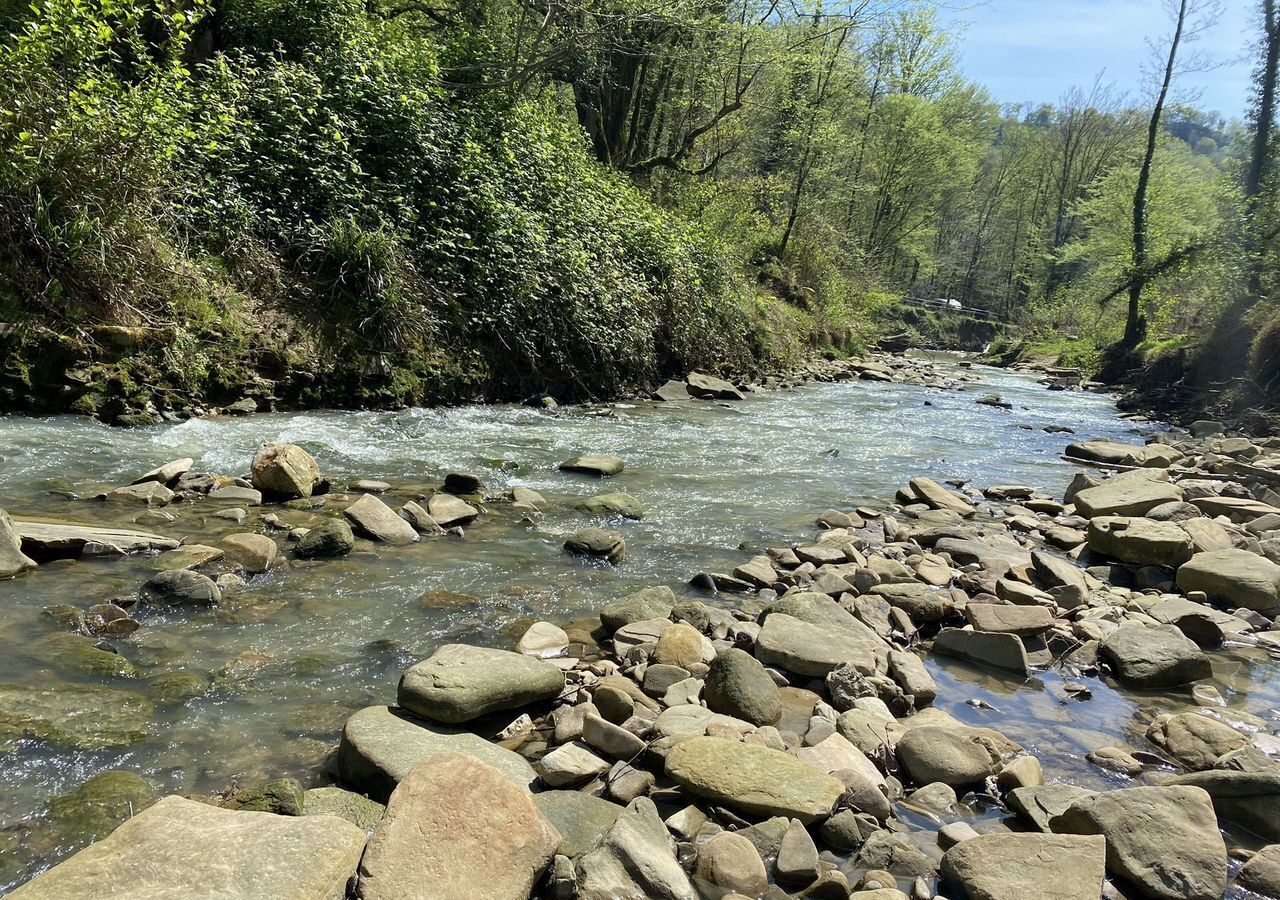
(767, 732)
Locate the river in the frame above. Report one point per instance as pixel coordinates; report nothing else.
(305, 646)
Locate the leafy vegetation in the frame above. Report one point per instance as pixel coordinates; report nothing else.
(413, 200)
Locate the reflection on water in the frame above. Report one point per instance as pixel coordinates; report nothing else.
(303, 646)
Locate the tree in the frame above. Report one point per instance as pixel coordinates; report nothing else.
(1263, 144)
(1184, 29)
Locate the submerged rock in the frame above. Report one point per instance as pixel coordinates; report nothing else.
(182, 849)
(456, 829)
(93, 810)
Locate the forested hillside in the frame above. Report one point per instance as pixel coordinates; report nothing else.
(424, 200)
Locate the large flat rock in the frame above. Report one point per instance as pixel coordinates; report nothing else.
(808, 649)
(460, 682)
(379, 748)
(1020, 866)
(1149, 658)
(1233, 577)
(59, 540)
(182, 849)
(457, 829)
(1125, 497)
(753, 778)
(81, 716)
(1162, 840)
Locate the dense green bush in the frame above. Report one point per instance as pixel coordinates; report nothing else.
(311, 169)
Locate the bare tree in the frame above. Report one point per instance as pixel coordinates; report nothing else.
(1185, 29)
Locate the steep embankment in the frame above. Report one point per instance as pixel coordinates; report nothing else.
(284, 205)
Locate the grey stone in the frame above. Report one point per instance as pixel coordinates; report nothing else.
(460, 682)
(737, 685)
(375, 519)
(1160, 657)
(182, 849)
(1162, 840)
(1020, 866)
(456, 829)
(753, 778)
(379, 747)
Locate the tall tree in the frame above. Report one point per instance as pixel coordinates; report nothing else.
(1133, 326)
(1263, 146)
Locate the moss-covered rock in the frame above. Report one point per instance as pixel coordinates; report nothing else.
(74, 654)
(282, 797)
(94, 809)
(79, 716)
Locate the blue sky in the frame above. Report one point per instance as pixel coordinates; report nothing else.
(1035, 50)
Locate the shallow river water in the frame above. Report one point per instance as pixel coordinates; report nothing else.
(304, 647)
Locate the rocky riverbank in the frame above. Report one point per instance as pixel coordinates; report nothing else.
(773, 730)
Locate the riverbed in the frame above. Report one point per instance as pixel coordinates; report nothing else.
(304, 646)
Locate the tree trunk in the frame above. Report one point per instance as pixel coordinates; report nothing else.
(1135, 325)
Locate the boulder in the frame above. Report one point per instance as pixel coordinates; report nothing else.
(1234, 577)
(460, 682)
(182, 849)
(1141, 542)
(255, 553)
(571, 765)
(1038, 805)
(1261, 874)
(380, 746)
(616, 504)
(753, 778)
(543, 640)
(708, 387)
(673, 391)
(182, 587)
(737, 685)
(1162, 840)
(168, 473)
(730, 862)
(1125, 497)
(1115, 453)
(634, 860)
(1152, 658)
(932, 753)
(1024, 621)
(990, 650)
(1195, 740)
(329, 540)
(96, 808)
(814, 650)
(463, 484)
(580, 818)
(375, 519)
(678, 645)
(12, 560)
(1250, 799)
(284, 470)
(647, 603)
(456, 829)
(447, 510)
(1019, 866)
(939, 497)
(599, 465)
(598, 543)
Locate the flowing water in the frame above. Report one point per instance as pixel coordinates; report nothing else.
(305, 646)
